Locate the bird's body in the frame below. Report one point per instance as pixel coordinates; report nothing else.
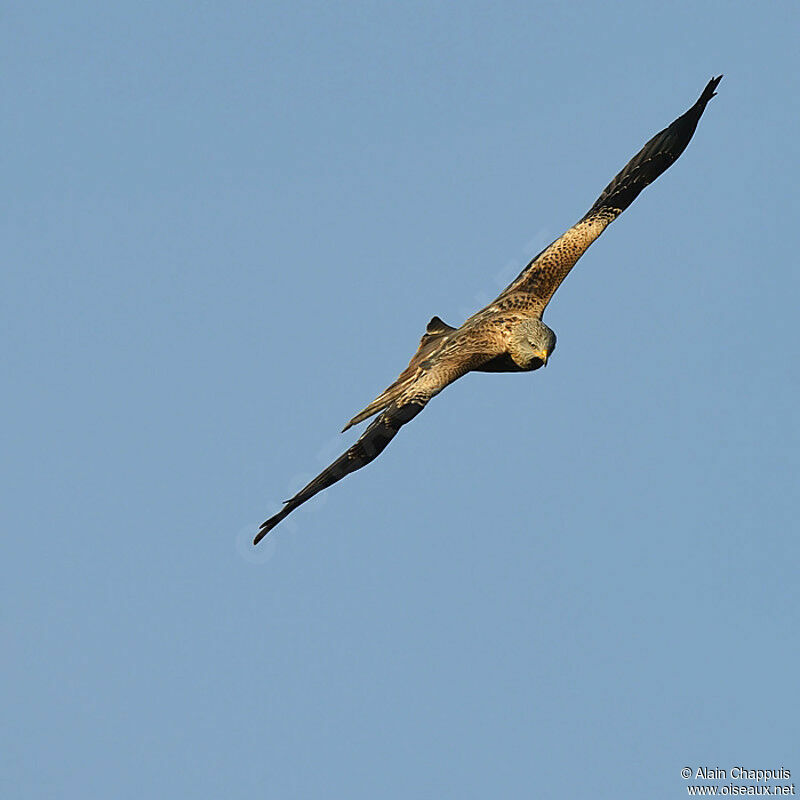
(508, 335)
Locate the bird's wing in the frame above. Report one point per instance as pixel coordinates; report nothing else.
(536, 284)
(371, 444)
(440, 360)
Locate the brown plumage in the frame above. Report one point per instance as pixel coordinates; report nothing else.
(508, 335)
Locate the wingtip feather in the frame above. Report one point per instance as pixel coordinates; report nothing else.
(269, 524)
(710, 90)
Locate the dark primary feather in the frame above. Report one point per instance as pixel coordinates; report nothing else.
(654, 158)
(537, 283)
(483, 341)
(371, 444)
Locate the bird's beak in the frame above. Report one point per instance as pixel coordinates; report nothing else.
(543, 354)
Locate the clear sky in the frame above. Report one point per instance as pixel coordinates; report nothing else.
(224, 227)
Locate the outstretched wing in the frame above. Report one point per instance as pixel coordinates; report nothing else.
(371, 444)
(438, 362)
(537, 283)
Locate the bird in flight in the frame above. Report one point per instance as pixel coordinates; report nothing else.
(508, 335)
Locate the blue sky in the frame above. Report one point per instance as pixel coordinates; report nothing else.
(225, 226)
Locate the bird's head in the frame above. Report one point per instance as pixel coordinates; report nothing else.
(532, 343)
